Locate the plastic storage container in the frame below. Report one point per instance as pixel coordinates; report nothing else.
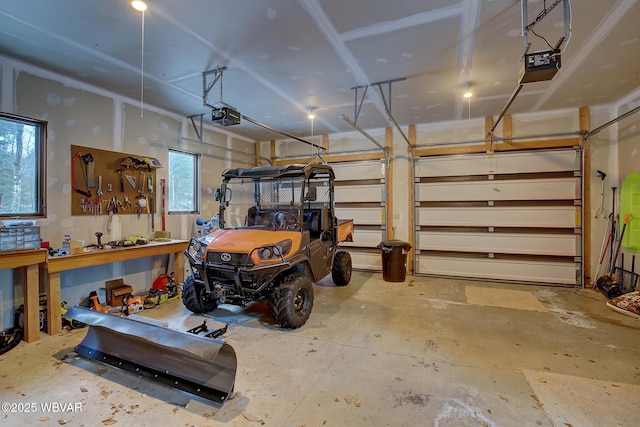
(630, 203)
(394, 260)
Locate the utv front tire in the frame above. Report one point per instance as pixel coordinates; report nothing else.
(193, 297)
(292, 301)
(341, 269)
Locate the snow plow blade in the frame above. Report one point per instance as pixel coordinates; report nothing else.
(201, 366)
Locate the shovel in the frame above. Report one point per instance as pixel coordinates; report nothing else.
(608, 284)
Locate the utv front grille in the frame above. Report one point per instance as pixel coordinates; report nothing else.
(228, 258)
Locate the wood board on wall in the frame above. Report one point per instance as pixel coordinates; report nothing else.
(114, 168)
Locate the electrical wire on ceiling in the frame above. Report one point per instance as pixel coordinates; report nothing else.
(545, 40)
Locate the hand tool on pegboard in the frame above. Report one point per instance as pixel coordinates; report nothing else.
(132, 181)
(141, 186)
(90, 172)
(151, 206)
(121, 181)
(152, 203)
(73, 179)
(162, 187)
(99, 192)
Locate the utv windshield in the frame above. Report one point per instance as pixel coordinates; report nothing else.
(266, 203)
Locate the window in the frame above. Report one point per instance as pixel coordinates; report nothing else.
(184, 196)
(23, 166)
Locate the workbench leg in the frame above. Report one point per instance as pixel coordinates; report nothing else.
(31, 303)
(178, 267)
(54, 321)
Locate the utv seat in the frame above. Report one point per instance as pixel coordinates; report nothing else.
(316, 221)
(258, 218)
(312, 223)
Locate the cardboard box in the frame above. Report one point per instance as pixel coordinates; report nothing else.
(72, 247)
(115, 290)
(114, 296)
(162, 235)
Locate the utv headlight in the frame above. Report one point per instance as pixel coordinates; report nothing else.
(275, 251)
(198, 246)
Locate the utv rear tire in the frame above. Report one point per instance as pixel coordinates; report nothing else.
(193, 297)
(341, 269)
(292, 301)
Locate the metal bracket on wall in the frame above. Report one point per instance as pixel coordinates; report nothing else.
(197, 128)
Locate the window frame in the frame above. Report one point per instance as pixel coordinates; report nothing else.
(196, 184)
(40, 167)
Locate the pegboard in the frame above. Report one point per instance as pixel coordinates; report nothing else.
(124, 180)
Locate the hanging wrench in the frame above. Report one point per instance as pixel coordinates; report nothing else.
(601, 213)
(99, 192)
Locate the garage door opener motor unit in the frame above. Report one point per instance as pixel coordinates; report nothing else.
(539, 66)
(225, 116)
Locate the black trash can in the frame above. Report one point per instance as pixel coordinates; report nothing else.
(394, 260)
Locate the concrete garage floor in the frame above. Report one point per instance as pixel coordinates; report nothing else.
(422, 352)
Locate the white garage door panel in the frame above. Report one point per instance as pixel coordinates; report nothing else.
(519, 271)
(503, 163)
(366, 238)
(358, 193)
(364, 216)
(533, 189)
(360, 170)
(541, 244)
(366, 260)
(551, 216)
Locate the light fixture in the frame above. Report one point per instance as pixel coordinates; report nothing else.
(139, 5)
(467, 91)
(311, 116)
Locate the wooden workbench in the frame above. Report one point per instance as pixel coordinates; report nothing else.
(29, 261)
(55, 265)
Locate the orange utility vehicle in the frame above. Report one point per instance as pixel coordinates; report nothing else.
(277, 234)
